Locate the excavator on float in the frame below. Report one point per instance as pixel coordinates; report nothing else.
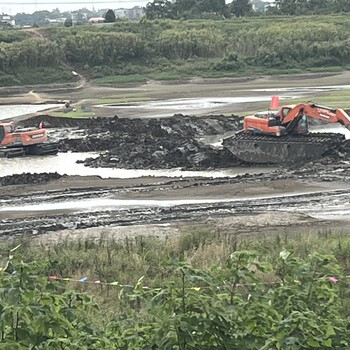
(15, 142)
(283, 137)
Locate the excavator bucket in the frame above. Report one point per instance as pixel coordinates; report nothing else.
(281, 150)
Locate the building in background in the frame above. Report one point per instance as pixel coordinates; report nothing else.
(7, 21)
(261, 5)
(121, 13)
(134, 13)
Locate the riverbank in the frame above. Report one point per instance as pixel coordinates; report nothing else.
(304, 192)
(93, 97)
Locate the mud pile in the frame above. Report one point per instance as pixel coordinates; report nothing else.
(150, 143)
(27, 178)
(142, 143)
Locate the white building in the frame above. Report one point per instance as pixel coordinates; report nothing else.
(261, 5)
(134, 13)
(56, 20)
(7, 20)
(121, 13)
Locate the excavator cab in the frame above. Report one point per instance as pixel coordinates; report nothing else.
(303, 126)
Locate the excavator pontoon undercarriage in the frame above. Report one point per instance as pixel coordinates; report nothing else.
(48, 148)
(265, 149)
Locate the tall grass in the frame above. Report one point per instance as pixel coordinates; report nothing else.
(110, 259)
(126, 260)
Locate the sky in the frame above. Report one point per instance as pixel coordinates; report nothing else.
(29, 6)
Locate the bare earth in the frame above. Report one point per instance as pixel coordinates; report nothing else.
(84, 92)
(244, 209)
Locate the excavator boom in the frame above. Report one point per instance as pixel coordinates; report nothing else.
(313, 110)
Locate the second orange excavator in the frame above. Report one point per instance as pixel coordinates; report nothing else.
(16, 142)
(283, 137)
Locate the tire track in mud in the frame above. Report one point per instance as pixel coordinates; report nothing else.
(305, 203)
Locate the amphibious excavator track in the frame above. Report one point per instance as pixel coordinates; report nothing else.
(265, 149)
(49, 148)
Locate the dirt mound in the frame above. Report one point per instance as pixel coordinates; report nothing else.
(180, 141)
(150, 143)
(27, 178)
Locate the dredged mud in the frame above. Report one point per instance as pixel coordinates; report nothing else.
(139, 143)
(152, 143)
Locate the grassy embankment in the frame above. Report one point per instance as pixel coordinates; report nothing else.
(167, 50)
(199, 289)
(110, 259)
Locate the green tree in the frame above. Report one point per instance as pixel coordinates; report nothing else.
(183, 7)
(110, 16)
(302, 7)
(68, 22)
(240, 8)
(211, 6)
(159, 9)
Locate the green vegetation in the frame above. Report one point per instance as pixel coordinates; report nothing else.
(239, 8)
(44, 75)
(76, 112)
(110, 16)
(201, 290)
(177, 49)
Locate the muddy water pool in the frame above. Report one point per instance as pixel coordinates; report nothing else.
(10, 111)
(167, 108)
(65, 163)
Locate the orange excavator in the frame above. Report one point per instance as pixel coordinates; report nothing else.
(283, 137)
(16, 142)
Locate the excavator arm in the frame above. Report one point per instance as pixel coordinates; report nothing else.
(313, 110)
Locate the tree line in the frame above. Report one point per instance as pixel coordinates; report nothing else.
(302, 7)
(191, 47)
(269, 45)
(239, 8)
(197, 8)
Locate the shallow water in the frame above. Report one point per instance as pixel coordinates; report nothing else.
(97, 204)
(65, 163)
(190, 103)
(10, 111)
(305, 89)
(167, 108)
(331, 128)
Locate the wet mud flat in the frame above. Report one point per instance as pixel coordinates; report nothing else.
(51, 202)
(72, 204)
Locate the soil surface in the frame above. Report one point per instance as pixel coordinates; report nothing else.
(310, 196)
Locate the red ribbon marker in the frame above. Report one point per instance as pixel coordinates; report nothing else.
(274, 102)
